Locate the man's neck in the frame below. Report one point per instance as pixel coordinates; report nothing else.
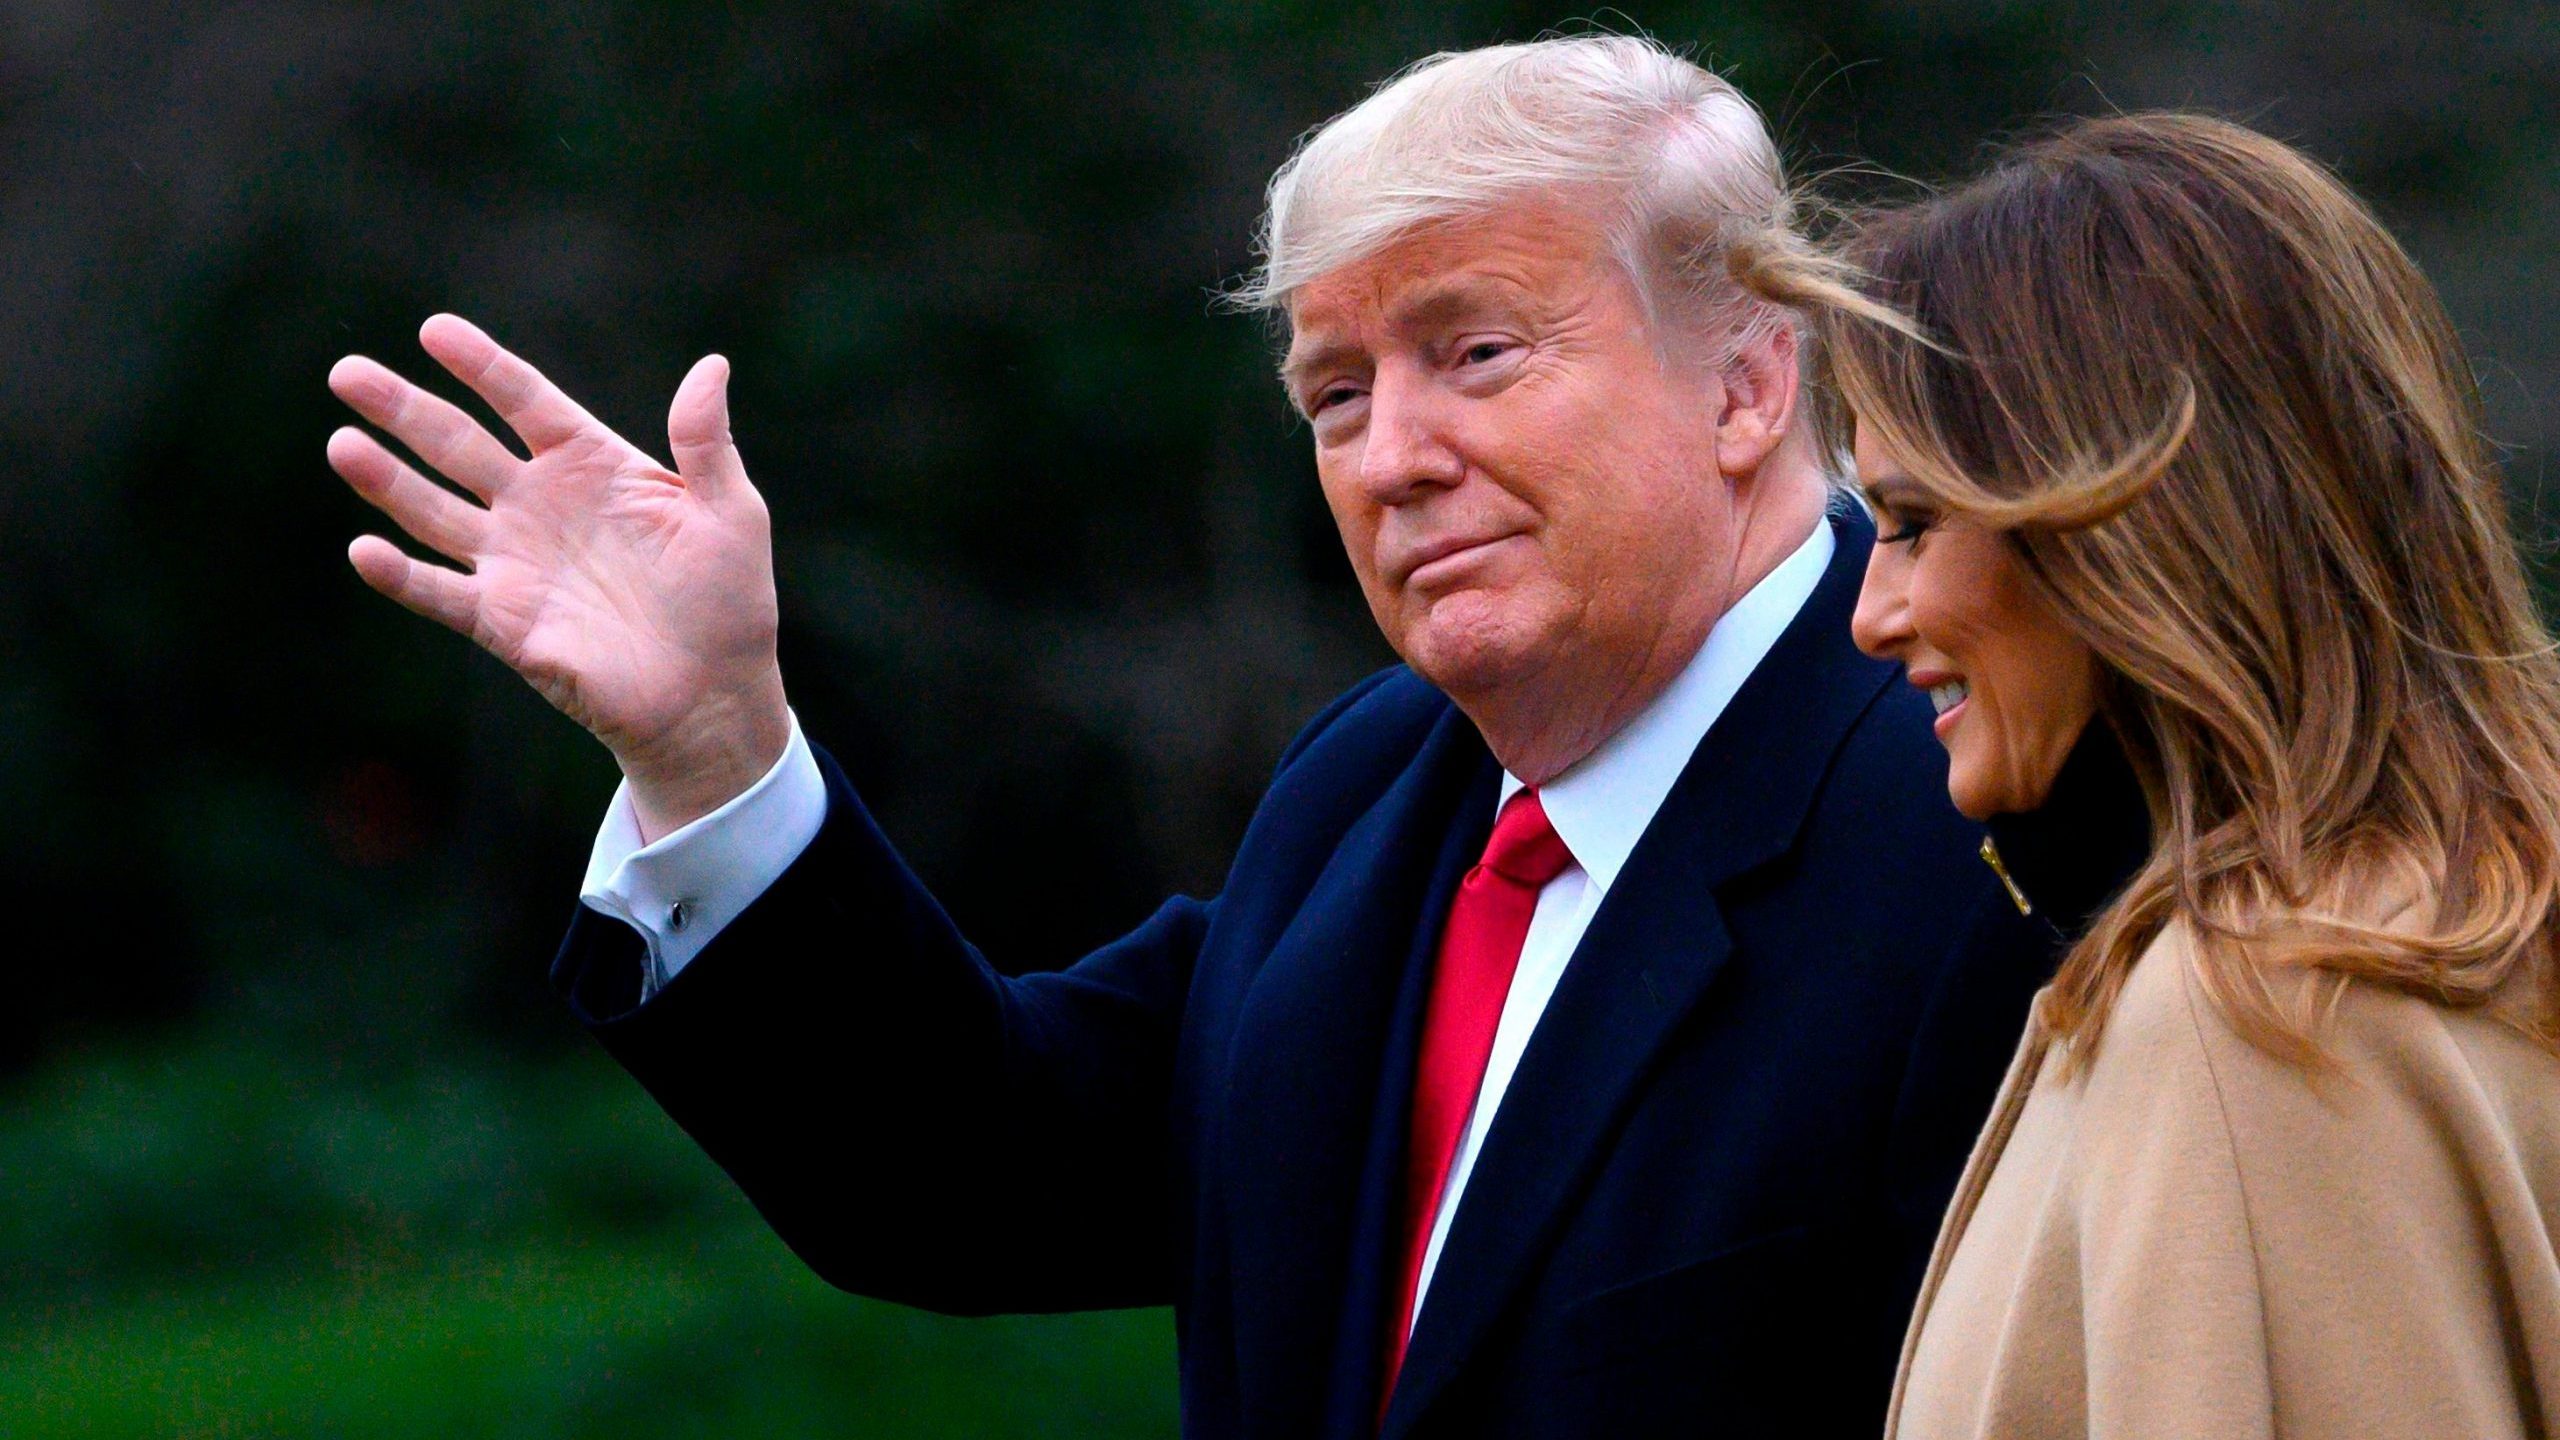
(1544, 726)
(1541, 730)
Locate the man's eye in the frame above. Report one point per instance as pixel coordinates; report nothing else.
(1330, 396)
(1485, 352)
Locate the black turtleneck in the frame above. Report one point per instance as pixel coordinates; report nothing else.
(2072, 854)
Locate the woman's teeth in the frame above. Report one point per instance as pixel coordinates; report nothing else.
(1948, 696)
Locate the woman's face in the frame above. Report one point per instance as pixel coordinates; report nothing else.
(1952, 601)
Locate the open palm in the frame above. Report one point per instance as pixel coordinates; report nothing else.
(637, 599)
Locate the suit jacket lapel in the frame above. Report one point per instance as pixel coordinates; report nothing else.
(1653, 949)
(1321, 1077)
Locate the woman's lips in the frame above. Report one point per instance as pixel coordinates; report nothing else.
(1948, 695)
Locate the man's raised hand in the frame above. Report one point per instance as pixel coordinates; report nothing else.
(638, 600)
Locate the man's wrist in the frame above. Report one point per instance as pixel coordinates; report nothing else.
(682, 889)
(717, 754)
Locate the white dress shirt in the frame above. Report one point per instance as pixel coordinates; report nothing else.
(681, 889)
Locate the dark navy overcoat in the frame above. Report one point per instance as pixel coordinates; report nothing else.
(1702, 1209)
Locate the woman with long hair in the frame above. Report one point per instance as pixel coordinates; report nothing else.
(2189, 527)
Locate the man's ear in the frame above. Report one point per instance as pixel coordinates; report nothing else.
(1759, 403)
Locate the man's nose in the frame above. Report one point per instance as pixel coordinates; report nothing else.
(1881, 625)
(1406, 446)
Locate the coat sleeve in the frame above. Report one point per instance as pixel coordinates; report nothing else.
(2269, 1249)
(914, 1124)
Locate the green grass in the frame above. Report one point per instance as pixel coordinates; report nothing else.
(512, 1347)
(727, 1339)
(206, 1245)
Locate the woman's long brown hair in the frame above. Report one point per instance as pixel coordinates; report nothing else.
(2235, 438)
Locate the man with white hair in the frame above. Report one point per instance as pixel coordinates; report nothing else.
(1601, 1003)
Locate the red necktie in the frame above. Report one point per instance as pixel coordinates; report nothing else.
(1478, 951)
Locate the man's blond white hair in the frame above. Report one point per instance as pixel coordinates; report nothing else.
(1668, 158)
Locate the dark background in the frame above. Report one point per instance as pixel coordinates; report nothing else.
(293, 1140)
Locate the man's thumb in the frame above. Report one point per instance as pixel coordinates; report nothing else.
(698, 430)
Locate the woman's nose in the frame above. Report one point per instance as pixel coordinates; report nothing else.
(1881, 625)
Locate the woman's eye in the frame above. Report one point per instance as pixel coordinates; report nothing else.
(1907, 528)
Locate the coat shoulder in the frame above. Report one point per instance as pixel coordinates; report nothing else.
(1352, 753)
(2408, 1105)
(1392, 709)
(2389, 1205)
(1880, 822)
(1892, 767)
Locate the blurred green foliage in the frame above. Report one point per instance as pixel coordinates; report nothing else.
(293, 1141)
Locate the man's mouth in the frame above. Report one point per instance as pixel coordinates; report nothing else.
(1947, 695)
(1446, 555)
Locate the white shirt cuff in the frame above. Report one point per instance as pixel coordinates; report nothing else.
(684, 888)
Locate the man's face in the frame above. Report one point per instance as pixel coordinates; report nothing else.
(1523, 485)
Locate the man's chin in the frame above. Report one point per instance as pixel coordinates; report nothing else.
(1476, 660)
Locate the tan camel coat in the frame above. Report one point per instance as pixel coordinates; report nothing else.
(2193, 1238)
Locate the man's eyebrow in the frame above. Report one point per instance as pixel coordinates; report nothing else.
(1322, 354)
(1437, 305)
(1455, 300)
(1298, 365)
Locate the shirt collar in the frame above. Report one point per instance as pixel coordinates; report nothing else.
(1603, 805)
